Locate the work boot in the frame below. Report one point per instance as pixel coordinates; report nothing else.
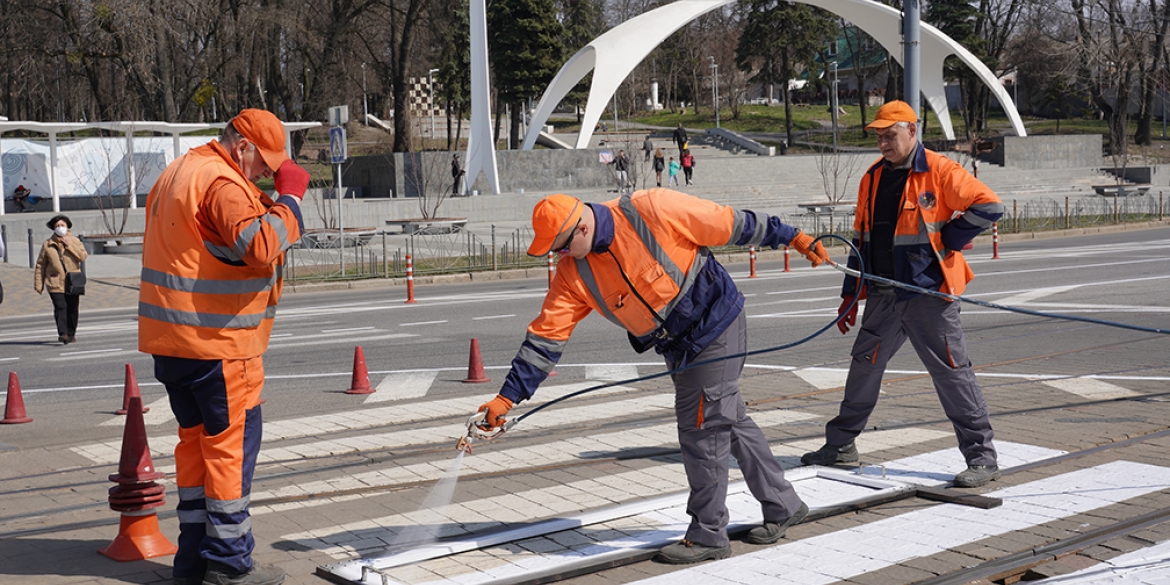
(831, 455)
(260, 575)
(685, 552)
(64, 339)
(977, 476)
(771, 532)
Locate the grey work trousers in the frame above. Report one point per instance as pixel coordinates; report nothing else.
(933, 328)
(713, 425)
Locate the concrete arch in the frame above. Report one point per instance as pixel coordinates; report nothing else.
(613, 55)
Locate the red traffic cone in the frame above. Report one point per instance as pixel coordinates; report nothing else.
(14, 407)
(475, 373)
(130, 390)
(136, 496)
(361, 377)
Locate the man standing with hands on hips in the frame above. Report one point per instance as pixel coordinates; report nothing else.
(642, 262)
(211, 278)
(916, 209)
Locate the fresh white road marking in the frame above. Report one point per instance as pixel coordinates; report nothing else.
(1039, 293)
(1091, 388)
(1146, 565)
(346, 329)
(421, 323)
(92, 351)
(11, 359)
(844, 554)
(402, 386)
(491, 317)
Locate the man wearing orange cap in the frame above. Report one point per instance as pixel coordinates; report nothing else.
(916, 210)
(211, 279)
(642, 262)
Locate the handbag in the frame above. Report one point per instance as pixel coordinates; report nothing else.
(74, 281)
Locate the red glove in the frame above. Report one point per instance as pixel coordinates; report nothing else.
(850, 318)
(815, 253)
(496, 408)
(292, 179)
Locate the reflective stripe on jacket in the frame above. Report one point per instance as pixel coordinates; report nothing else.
(656, 240)
(943, 208)
(211, 260)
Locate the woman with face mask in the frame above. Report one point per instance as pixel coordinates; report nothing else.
(61, 254)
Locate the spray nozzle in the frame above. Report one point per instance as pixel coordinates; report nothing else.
(478, 429)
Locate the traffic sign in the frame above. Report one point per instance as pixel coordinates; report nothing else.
(337, 146)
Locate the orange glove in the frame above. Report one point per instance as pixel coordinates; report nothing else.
(850, 318)
(292, 179)
(496, 408)
(804, 244)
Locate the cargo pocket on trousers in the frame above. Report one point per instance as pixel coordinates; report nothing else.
(957, 351)
(720, 406)
(866, 347)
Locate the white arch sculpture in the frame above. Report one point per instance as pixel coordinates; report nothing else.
(613, 55)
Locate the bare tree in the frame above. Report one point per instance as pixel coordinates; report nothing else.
(836, 169)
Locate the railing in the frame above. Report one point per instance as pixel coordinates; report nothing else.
(369, 254)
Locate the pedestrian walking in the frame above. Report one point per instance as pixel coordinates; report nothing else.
(621, 166)
(680, 138)
(916, 210)
(688, 165)
(211, 278)
(674, 167)
(457, 173)
(60, 259)
(647, 148)
(659, 166)
(665, 232)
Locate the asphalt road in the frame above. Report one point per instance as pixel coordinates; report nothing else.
(1122, 276)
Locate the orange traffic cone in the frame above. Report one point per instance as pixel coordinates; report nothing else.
(136, 496)
(475, 374)
(14, 407)
(361, 378)
(130, 390)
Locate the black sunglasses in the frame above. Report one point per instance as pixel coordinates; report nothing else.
(565, 249)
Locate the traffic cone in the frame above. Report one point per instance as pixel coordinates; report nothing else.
(475, 373)
(130, 390)
(136, 496)
(361, 378)
(14, 407)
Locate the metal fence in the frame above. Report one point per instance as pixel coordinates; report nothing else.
(322, 255)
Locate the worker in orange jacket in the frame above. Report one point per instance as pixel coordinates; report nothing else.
(916, 210)
(211, 279)
(642, 262)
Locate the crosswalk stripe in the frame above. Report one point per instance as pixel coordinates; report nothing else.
(110, 451)
(402, 386)
(823, 378)
(159, 413)
(462, 518)
(844, 554)
(649, 523)
(1090, 388)
(551, 453)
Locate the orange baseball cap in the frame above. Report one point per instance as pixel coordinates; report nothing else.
(551, 217)
(263, 129)
(892, 113)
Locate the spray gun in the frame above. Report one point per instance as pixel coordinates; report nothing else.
(477, 429)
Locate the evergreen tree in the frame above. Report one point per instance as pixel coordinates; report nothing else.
(780, 38)
(583, 21)
(525, 46)
(454, 67)
(958, 20)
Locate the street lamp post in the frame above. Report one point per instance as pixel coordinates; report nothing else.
(715, 88)
(431, 97)
(365, 107)
(833, 102)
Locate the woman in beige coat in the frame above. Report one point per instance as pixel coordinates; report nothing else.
(61, 253)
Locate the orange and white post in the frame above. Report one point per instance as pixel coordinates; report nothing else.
(409, 280)
(752, 256)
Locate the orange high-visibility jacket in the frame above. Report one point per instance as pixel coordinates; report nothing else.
(656, 239)
(943, 207)
(211, 260)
